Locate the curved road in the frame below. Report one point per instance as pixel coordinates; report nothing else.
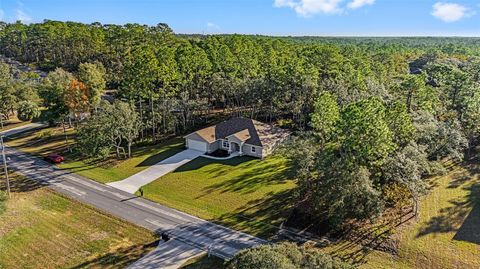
(219, 240)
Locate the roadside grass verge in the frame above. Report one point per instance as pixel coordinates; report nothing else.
(52, 140)
(446, 234)
(41, 229)
(114, 170)
(204, 262)
(40, 142)
(244, 193)
(13, 122)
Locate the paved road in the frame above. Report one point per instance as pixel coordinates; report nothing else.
(168, 255)
(134, 182)
(222, 242)
(22, 129)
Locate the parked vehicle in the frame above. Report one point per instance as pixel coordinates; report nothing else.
(54, 158)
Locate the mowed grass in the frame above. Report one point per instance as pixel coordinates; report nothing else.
(446, 234)
(204, 262)
(52, 140)
(244, 193)
(114, 170)
(40, 229)
(13, 122)
(41, 142)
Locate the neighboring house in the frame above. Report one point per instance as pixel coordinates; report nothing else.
(242, 135)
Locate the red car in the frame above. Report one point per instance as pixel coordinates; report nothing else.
(54, 158)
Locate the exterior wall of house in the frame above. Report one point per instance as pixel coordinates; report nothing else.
(247, 150)
(220, 144)
(213, 146)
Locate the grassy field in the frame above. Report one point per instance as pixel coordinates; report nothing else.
(52, 140)
(250, 195)
(204, 262)
(41, 229)
(114, 170)
(42, 141)
(446, 234)
(244, 193)
(12, 123)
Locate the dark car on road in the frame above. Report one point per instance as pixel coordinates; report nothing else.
(54, 158)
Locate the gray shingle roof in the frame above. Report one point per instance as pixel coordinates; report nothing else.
(235, 125)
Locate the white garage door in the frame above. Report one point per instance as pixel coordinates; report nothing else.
(197, 145)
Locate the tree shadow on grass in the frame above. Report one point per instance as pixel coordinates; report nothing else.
(262, 217)
(358, 241)
(256, 175)
(169, 149)
(214, 171)
(470, 229)
(463, 214)
(19, 184)
(119, 258)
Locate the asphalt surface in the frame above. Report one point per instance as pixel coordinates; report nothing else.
(142, 178)
(168, 255)
(22, 129)
(203, 235)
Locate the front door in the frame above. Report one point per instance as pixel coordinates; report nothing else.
(235, 147)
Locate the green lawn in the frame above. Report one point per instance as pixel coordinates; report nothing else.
(40, 142)
(244, 193)
(12, 123)
(446, 234)
(114, 170)
(40, 229)
(204, 262)
(52, 140)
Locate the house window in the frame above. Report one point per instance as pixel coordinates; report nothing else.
(226, 144)
(254, 150)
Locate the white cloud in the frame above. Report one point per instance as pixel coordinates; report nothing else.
(212, 25)
(450, 12)
(359, 3)
(22, 16)
(307, 8)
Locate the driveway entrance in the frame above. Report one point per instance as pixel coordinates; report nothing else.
(134, 182)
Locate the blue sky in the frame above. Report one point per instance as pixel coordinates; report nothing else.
(271, 17)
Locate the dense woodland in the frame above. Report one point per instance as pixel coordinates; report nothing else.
(372, 117)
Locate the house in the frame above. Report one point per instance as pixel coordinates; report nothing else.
(238, 135)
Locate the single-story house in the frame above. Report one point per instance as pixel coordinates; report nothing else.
(242, 135)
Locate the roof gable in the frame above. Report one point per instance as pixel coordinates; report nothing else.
(246, 130)
(237, 125)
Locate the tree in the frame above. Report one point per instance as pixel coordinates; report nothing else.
(7, 93)
(400, 123)
(411, 84)
(471, 118)
(27, 111)
(285, 256)
(76, 99)
(443, 139)
(113, 126)
(53, 92)
(325, 116)
(407, 167)
(365, 134)
(93, 76)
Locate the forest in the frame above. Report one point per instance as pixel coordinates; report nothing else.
(373, 118)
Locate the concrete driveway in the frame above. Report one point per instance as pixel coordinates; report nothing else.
(201, 234)
(133, 183)
(168, 255)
